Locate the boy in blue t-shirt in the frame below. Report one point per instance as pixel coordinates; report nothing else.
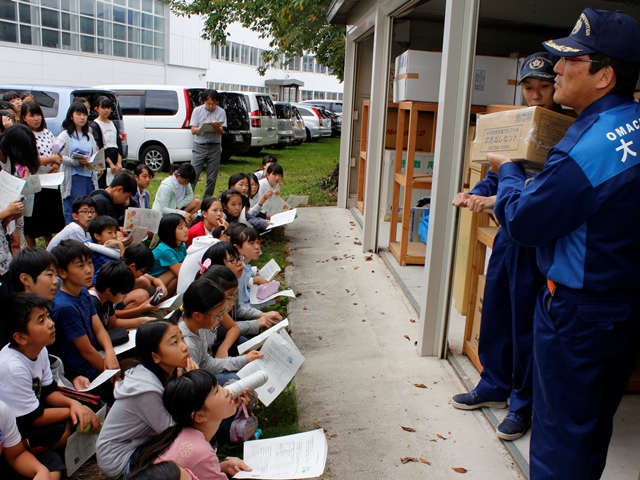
(80, 332)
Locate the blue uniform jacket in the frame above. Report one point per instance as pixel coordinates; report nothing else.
(581, 211)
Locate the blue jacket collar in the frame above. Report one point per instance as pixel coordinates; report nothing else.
(603, 104)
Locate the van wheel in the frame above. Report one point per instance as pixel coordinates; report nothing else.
(308, 135)
(156, 158)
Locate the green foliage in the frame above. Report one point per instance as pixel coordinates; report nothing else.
(296, 27)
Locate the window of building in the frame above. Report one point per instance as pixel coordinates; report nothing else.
(133, 29)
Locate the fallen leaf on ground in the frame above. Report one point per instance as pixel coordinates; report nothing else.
(381, 313)
(333, 435)
(412, 320)
(347, 290)
(334, 257)
(304, 308)
(424, 460)
(408, 429)
(459, 470)
(368, 259)
(337, 243)
(320, 338)
(407, 337)
(440, 436)
(316, 426)
(318, 291)
(356, 267)
(363, 320)
(420, 385)
(416, 342)
(357, 243)
(408, 459)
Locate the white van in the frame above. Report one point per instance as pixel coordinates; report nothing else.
(264, 122)
(157, 121)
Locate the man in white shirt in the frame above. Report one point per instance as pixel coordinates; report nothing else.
(207, 123)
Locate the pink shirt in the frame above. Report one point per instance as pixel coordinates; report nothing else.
(191, 450)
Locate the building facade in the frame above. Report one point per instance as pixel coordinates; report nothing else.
(89, 42)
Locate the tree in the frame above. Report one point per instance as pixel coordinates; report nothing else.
(295, 27)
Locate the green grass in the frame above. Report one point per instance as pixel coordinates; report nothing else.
(304, 167)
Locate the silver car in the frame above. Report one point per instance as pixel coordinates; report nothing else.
(316, 125)
(285, 127)
(297, 123)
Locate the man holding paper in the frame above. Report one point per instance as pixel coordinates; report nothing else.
(207, 123)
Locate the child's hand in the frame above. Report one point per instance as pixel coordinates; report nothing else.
(142, 320)
(275, 317)
(191, 364)
(233, 465)
(268, 194)
(80, 382)
(83, 161)
(259, 280)
(84, 416)
(147, 307)
(111, 361)
(187, 217)
(112, 243)
(253, 355)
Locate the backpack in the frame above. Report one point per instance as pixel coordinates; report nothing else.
(244, 426)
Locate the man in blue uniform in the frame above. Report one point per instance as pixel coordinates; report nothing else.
(513, 281)
(581, 214)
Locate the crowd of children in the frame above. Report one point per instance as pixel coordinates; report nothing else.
(63, 308)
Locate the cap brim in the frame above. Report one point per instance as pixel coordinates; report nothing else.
(549, 77)
(566, 47)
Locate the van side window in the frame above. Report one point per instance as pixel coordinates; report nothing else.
(131, 104)
(265, 105)
(48, 101)
(161, 102)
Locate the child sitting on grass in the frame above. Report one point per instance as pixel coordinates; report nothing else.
(175, 194)
(104, 245)
(240, 182)
(80, 332)
(171, 251)
(143, 176)
(114, 281)
(44, 415)
(84, 209)
(34, 270)
(269, 185)
(212, 217)
(138, 412)
(139, 259)
(16, 461)
(266, 161)
(198, 404)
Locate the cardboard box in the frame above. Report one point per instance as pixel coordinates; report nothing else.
(417, 78)
(524, 135)
(425, 131)
(477, 317)
(422, 164)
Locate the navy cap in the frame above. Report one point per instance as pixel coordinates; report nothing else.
(539, 65)
(613, 34)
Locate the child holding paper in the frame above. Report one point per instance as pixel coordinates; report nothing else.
(79, 145)
(198, 404)
(47, 217)
(44, 415)
(105, 245)
(247, 242)
(212, 217)
(175, 194)
(138, 412)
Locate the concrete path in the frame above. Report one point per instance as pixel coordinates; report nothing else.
(354, 326)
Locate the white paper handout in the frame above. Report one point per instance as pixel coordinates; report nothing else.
(171, 303)
(142, 217)
(138, 234)
(256, 342)
(97, 161)
(31, 185)
(281, 361)
(81, 446)
(51, 180)
(253, 295)
(10, 189)
(283, 218)
(302, 455)
(295, 200)
(100, 379)
(270, 270)
(275, 205)
(125, 347)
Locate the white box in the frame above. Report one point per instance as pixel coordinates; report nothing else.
(423, 164)
(418, 78)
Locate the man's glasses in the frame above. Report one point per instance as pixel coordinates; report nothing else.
(577, 59)
(87, 212)
(235, 260)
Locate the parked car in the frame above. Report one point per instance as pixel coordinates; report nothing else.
(157, 119)
(56, 100)
(284, 113)
(262, 115)
(315, 124)
(299, 130)
(331, 105)
(236, 138)
(336, 121)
